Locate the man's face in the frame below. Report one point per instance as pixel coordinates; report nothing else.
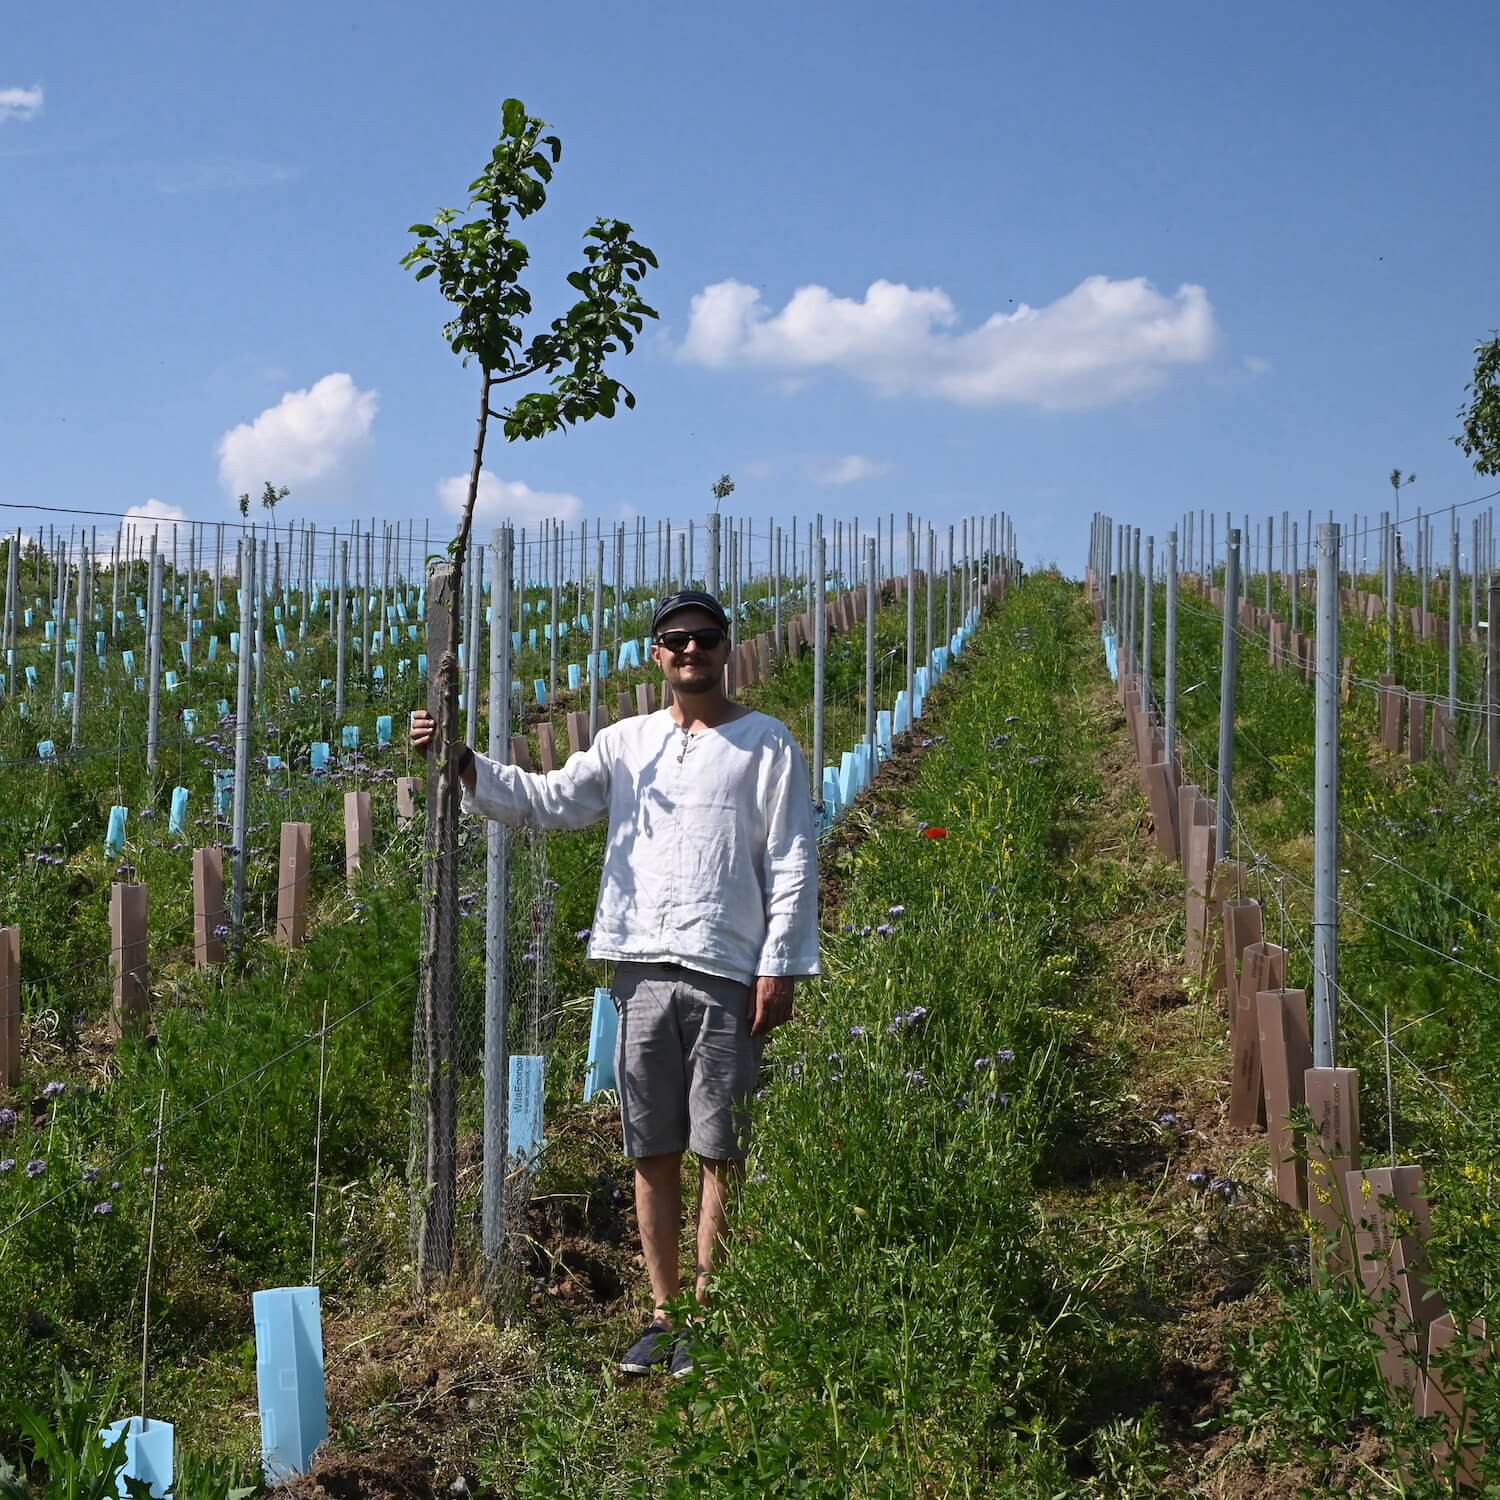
(693, 669)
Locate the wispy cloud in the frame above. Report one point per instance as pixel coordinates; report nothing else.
(1103, 341)
(849, 470)
(20, 104)
(500, 500)
(222, 175)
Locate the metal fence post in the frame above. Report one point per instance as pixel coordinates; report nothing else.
(1169, 655)
(1453, 606)
(1148, 603)
(1326, 807)
(1229, 662)
(872, 605)
(820, 631)
(243, 709)
(496, 909)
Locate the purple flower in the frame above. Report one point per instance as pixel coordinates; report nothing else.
(1005, 1056)
(1167, 1119)
(583, 934)
(8, 1118)
(981, 1063)
(114, 1187)
(53, 1089)
(1225, 1187)
(896, 911)
(856, 1032)
(917, 1078)
(103, 1209)
(36, 1167)
(884, 930)
(1198, 1180)
(8, 1165)
(91, 1174)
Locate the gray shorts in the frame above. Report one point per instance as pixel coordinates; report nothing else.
(685, 1062)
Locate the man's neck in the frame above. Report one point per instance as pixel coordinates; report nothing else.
(692, 711)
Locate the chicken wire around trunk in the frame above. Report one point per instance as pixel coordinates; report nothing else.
(530, 1018)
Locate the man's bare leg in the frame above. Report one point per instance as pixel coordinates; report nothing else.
(658, 1207)
(717, 1181)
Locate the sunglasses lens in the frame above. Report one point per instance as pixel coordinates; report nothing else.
(677, 640)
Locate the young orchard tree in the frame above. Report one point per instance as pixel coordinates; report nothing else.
(479, 264)
(1480, 438)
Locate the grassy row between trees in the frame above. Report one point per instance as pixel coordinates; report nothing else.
(897, 1316)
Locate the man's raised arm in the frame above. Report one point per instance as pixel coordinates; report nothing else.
(573, 797)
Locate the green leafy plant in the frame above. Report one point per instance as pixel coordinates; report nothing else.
(1480, 438)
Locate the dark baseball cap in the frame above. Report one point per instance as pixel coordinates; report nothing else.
(689, 599)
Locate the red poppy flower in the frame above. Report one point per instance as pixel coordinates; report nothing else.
(935, 833)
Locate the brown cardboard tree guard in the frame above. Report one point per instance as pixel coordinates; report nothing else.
(1200, 856)
(1285, 1057)
(291, 884)
(1227, 884)
(1161, 792)
(128, 951)
(1332, 1153)
(578, 732)
(546, 747)
(1392, 1227)
(406, 799)
(208, 907)
(1241, 928)
(1262, 966)
(1440, 1395)
(358, 833)
(1416, 728)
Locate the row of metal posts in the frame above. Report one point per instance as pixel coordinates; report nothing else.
(1122, 587)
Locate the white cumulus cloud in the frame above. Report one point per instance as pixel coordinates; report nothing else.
(1101, 342)
(500, 500)
(307, 436)
(20, 104)
(850, 470)
(155, 517)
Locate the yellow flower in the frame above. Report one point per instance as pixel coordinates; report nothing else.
(1364, 1188)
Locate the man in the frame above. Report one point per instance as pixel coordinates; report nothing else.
(707, 908)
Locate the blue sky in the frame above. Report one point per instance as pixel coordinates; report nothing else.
(1258, 244)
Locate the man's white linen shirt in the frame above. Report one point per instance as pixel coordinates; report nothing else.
(711, 860)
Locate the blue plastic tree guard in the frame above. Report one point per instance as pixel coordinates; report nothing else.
(600, 1073)
(114, 838)
(319, 752)
(539, 687)
(575, 676)
(148, 1453)
(46, 750)
(223, 793)
(289, 1379)
(350, 739)
(177, 818)
(526, 1089)
(383, 729)
(190, 721)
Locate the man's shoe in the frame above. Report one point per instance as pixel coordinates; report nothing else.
(682, 1356)
(653, 1348)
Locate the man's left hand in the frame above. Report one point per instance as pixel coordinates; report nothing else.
(771, 1003)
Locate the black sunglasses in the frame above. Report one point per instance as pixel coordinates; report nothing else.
(708, 639)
